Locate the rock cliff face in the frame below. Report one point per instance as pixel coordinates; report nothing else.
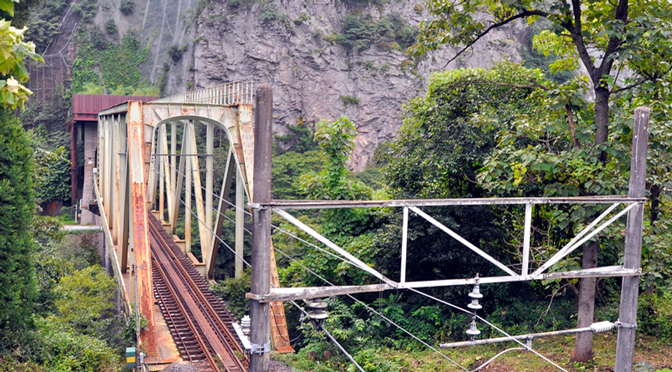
(283, 44)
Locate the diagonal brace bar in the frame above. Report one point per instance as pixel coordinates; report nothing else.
(462, 240)
(569, 249)
(354, 260)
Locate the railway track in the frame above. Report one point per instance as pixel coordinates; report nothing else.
(199, 322)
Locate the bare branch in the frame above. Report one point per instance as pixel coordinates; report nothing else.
(629, 86)
(525, 13)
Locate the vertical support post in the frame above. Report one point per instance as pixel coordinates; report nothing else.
(240, 222)
(143, 257)
(173, 159)
(625, 347)
(73, 163)
(526, 239)
(404, 244)
(177, 189)
(162, 171)
(261, 239)
(209, 182)
(187, 192)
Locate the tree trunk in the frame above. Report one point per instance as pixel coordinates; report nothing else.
(601, 119)
(583, 349)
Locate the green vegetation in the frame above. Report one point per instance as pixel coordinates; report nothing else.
(13, 51)
(111, 28)
(269, 14)
(175, 52)
(360, 31)
(127, 7)
(44, 22)
(303, 18)
(349, 100)
(119, 65)
(17, 205)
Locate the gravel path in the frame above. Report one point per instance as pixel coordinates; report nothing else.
(276, 366)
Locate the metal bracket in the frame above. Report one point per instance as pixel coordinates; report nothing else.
(256, 206)
(620, 324)
(261, 349)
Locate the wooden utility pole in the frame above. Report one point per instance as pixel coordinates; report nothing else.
(625, 347)
(261, 234)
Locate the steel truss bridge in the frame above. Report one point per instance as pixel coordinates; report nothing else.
(151, 157)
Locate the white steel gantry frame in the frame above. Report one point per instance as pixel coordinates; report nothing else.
(592, 229)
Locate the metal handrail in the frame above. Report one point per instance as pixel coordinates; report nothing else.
(227, 94)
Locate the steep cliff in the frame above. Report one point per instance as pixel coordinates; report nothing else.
(324, 58)
(285, 44)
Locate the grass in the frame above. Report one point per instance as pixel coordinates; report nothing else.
(557, 349)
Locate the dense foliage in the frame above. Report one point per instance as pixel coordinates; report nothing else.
(360, 32)
(119, 65)
(17, 205)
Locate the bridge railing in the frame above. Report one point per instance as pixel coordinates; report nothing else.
(228, 94)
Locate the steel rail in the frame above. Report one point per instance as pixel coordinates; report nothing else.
(171, 318)
(184, 311)
(210, 315)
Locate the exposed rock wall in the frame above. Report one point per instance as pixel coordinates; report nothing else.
(309, 75)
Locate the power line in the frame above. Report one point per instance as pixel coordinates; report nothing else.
(360, 302)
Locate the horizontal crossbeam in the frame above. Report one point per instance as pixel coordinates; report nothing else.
(302, 293)
(336, 204)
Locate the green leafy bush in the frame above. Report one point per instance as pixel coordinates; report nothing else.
(654, 315)
(232, 290)
(126, 7)
(269, 14)
(349, 100)
(111, 27)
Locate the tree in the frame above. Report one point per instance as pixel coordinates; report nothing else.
(607, 37)
(17, 205)
(13, 51)
(439, 152)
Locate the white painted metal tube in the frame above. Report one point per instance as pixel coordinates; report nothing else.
(595, 232)
(595, 327)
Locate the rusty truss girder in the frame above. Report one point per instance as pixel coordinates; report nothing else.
(148, 155)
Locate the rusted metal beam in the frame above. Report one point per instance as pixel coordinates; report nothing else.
(335, 204)
(140, 229)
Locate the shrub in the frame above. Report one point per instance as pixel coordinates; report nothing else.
(175, 52)
(349, 100)
(232, 290)
(654, 315)
(111, 28)
(302, 19)
(269, 14)
(126, 7)
(335, 39)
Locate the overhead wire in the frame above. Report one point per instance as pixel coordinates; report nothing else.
(360, 302)
(333, 285)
